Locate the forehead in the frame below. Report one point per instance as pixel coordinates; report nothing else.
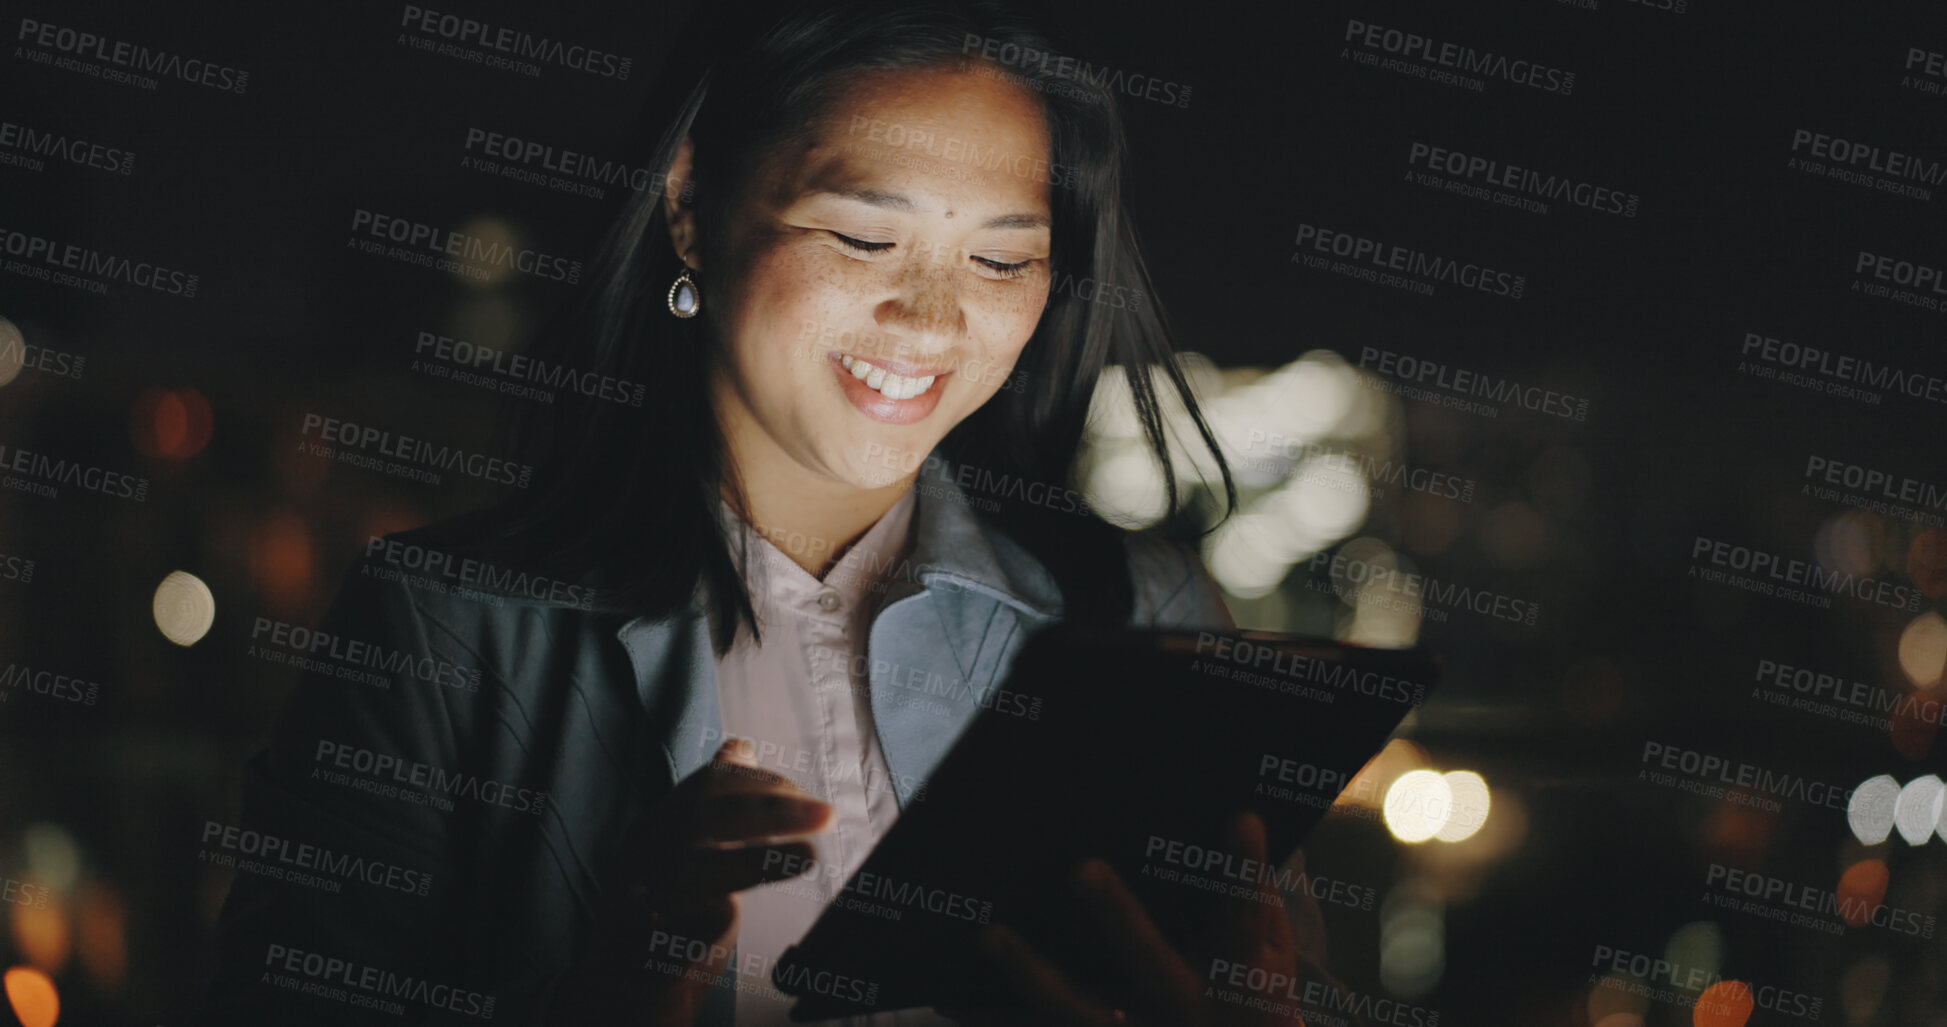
(973, 141)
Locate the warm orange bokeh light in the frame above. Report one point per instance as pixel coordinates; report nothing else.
(41, 933)
(1861, 889)
(171, 424)
(32, 996)
(1926, 562)
(281, 559)
(103, 936)
(1724, 1004)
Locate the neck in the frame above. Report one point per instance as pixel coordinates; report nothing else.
(809, 517)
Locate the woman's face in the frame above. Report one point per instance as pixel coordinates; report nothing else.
(883, 274)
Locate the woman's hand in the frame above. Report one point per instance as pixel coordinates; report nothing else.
(1159, 984)
(670, 917)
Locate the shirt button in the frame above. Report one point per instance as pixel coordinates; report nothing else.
(828, 601)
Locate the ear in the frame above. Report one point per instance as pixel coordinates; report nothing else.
(680, 215)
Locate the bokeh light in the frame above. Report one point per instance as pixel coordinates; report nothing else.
(1870, 813)
(33, 998)
(1923, 649)
(1917, 809)
(1470, 805)
(171, 424)
(13, 351)
(1417, 805)
(184, 608)
(1724, 1004)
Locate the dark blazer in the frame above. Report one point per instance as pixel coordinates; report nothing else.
(462, 799)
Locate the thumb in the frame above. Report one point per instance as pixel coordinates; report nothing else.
(736, 750)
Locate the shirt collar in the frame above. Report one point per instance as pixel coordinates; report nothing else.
(949, 543)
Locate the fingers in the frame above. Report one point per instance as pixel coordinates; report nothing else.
(733, 802)
(1163, 981)
(1254, 926)
(722, 871)
(754, 818)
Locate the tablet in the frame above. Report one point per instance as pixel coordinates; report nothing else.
(1136, 746)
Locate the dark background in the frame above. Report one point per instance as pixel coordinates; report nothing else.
(1693, 111)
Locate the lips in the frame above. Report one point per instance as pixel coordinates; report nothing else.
(889, 391)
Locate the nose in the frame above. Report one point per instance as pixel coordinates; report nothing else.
(924, 310)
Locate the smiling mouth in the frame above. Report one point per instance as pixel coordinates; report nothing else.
(887, 381)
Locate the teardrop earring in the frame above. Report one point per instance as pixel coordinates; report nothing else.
(685, 299)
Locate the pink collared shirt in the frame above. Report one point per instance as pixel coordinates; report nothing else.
(801, 699)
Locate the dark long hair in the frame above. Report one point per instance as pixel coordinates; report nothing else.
(630, 494)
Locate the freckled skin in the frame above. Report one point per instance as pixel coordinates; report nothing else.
(791, 292)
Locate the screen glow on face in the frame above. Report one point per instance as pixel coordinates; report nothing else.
(887, 271)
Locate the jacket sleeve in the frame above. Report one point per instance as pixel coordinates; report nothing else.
(352, 911)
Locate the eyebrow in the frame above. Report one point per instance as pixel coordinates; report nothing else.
(904, 204)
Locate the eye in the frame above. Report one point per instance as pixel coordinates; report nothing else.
(1013, 270)
(860, 244)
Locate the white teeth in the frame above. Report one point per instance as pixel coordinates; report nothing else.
(889, 385)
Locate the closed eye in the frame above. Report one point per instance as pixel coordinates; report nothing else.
(860, 244)
(1013, 270)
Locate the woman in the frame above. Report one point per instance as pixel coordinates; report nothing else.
(855, 308)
